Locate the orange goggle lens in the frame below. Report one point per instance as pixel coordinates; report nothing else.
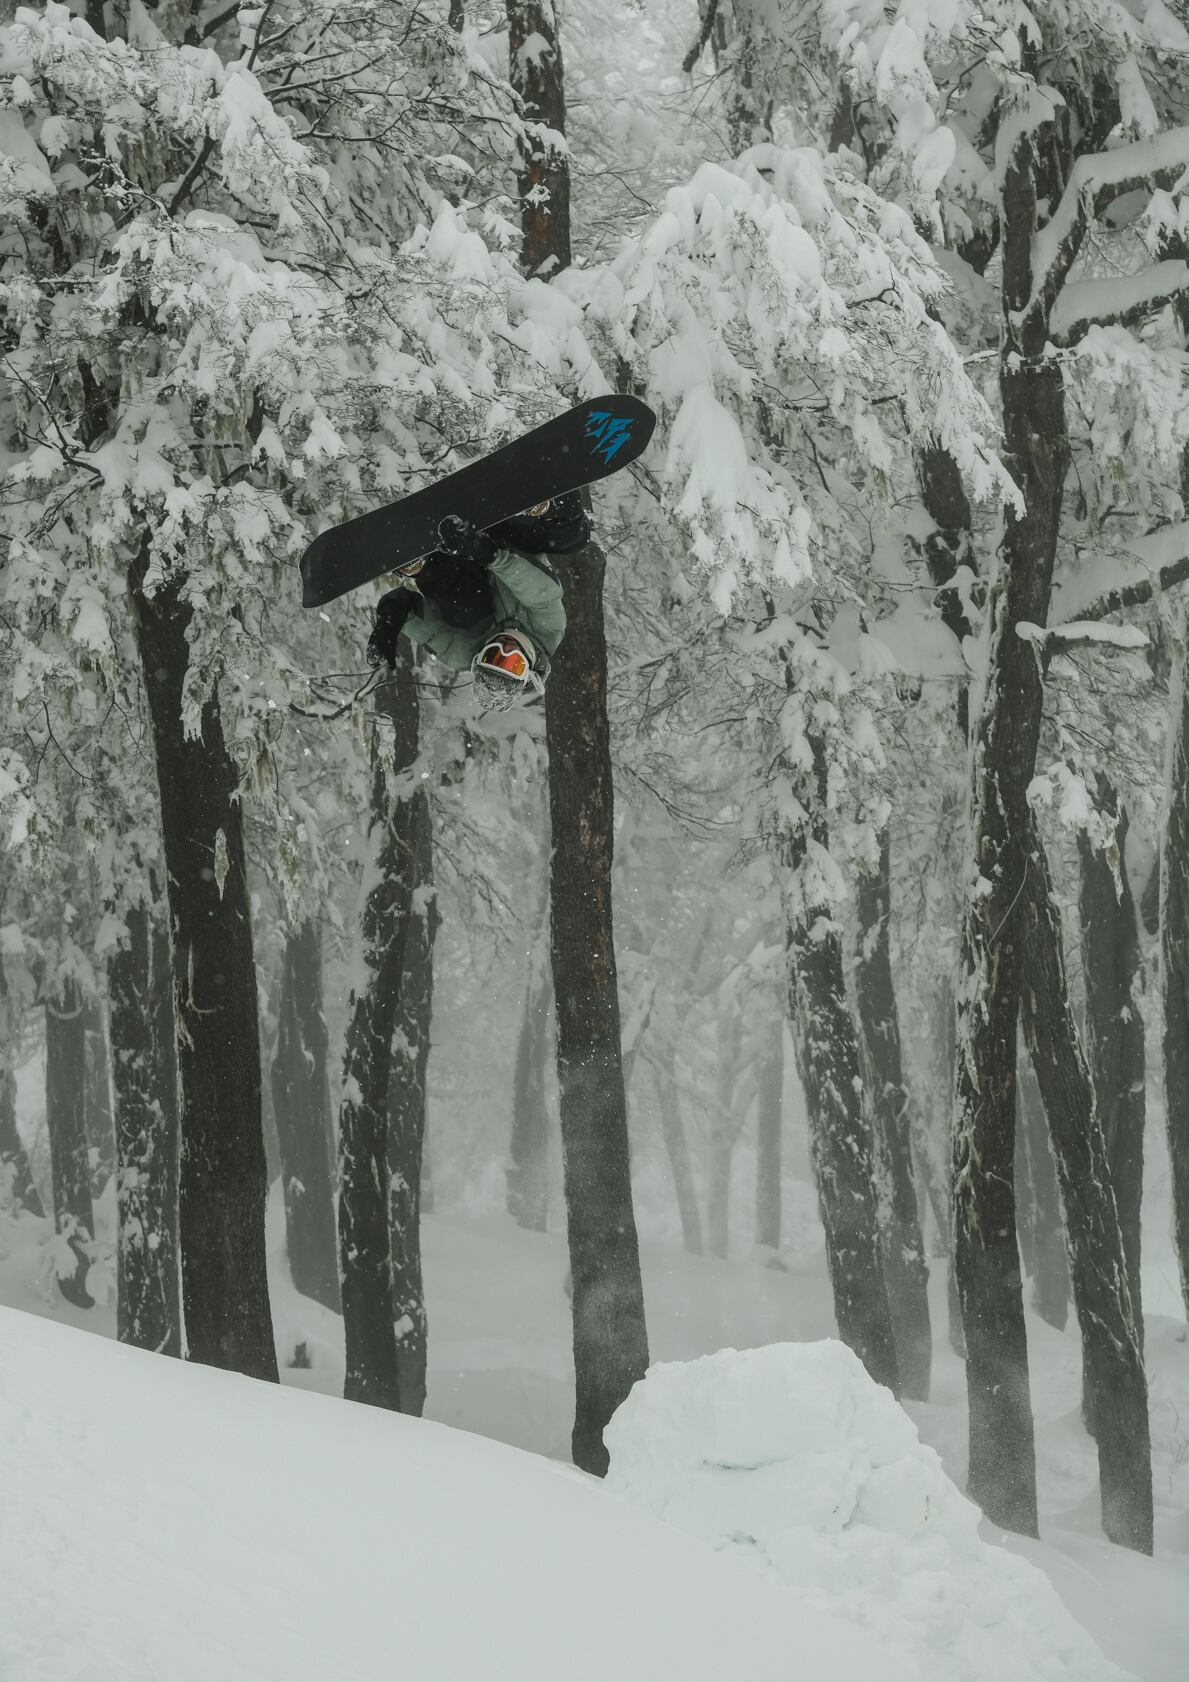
(505, 657)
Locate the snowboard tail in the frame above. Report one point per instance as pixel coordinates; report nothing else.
(586, 444)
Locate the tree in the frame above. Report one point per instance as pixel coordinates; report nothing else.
(1174, 969)
(528, 1166)
(144, 1076)
(70, 1168)
(1042, 1221)
(365, 1244)
(1114, 1021)
(16, 1176)
(610, 1340)
(906, 1272)
(769, 1136)
(301, 1104)
(222, 1182)
(1112, 1355)
(407, 1090)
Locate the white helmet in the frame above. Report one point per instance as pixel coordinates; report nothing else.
(505, 671)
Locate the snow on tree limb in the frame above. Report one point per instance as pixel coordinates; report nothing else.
(1110, 583)
(1096, 181)
(1123, 300)
(1083, 630)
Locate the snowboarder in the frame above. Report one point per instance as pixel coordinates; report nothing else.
(487, 600)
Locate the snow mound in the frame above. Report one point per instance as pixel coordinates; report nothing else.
(791, 1457)
(170, 1523)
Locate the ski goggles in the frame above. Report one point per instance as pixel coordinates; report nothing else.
(503, 654)
(411, 568)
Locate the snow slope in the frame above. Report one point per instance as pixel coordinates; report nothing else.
(169, 1523)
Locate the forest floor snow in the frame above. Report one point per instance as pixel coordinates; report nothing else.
(500, 1367)
(166, 1523)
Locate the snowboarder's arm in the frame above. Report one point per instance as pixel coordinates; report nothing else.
(453, 646)
(529, 594)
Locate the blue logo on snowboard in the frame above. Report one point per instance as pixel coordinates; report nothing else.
(609, 433)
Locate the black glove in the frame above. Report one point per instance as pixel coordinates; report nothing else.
(391, 612)
(463, 541)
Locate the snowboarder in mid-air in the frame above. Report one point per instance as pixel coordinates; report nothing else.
(487, 600)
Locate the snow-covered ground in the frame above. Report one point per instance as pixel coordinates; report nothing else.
(500, 1368)
(292, 1481)
(165, 1523)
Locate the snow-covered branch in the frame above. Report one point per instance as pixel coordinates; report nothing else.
(1107, 583)
(1119, 302)
(1082, 631)
(1096, 182)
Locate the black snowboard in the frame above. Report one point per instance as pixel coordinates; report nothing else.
(589, 442)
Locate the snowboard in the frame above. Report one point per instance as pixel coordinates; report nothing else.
(586, 444)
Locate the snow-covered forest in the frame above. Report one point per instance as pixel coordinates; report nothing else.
(811, 962)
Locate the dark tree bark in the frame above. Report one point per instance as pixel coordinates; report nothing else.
(906, 1271)
(16, 1175)
(1115, 1025)
(727, 1124)
(148, 1294)
(407, 1093)
(1002, 1474)
(301, 1105)
(1112, 1362)
(543, 179)
(365, 1244)
(937, 1182)
(65, 1101)
(222, 1184)
(948, 547)
(769, 1131)
(1174, 955)
(840, 1142)
(1042, 1224)
(101, 1126)
(610, 1340)
(528, 1167)
(677, 1145)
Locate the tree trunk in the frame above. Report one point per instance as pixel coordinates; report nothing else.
(1115, 1025)
(16, 1176)
(677, 1145)
(726, 1132)
(840, 1143)
(1002, 1474)
(148, 1301)
(528, 1168)
(769, 1130)
(101, 1127)
(610, 1341)
(301, 1105)
(1112, 1362)
(543, 179)
(365, 1244)
(1042, 1224)
(905, 1270)
(407, 1100)
(65, 1101)
(1174, 973)
(221, 1185)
